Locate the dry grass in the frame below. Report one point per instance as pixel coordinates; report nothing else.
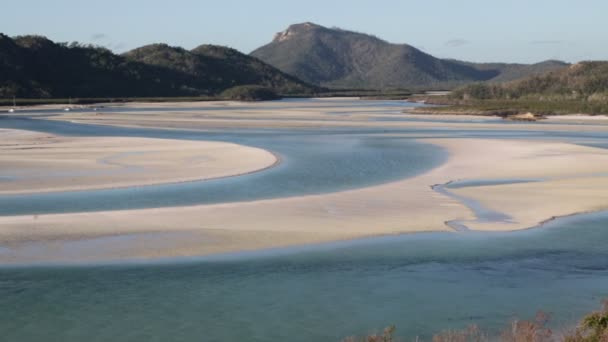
(592, 328)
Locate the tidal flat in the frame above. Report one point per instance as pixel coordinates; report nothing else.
(349, 211)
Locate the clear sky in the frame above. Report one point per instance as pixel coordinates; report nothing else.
(475, 30)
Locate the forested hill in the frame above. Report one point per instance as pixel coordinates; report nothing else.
(339, 58)
(579, 88)
(36, 67)
(586, 81)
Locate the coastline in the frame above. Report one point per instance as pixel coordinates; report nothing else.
(374, 211)
(118, 162)
(288, 249)
(313, 115)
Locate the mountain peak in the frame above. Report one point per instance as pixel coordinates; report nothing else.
(33, 41)
(339, 58)
(34, 66)
(295, 29)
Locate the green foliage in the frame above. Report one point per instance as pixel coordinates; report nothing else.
(35, 67)
(581, 88)
(593, 327)
(510, 107)
(250, 93)
(583, 81)
(339, 58)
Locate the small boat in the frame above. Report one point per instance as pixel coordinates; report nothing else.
(12, 110)
(69, 107)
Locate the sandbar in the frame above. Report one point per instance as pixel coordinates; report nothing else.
(32, 162)
(405, 206)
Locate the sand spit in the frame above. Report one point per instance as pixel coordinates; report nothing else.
(572, 184)
(324, 113)
(37, 162)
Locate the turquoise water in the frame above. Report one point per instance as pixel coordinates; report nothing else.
(314, 161)
(421, 283)
(310, 164)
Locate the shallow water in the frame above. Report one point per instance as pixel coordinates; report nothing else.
(314, 161)
(310, 164)
(420, 282)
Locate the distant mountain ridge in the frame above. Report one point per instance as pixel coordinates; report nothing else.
(299, 61)
(340, 58)
(36, 67)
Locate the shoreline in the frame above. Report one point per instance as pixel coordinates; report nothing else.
(311, 116)
(258, 225)
(247, 254)
(75, 164)
(429, 110)
(278, 161)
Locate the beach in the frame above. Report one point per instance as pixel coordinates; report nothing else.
(325, 113)
(573, 174)
(39, 162)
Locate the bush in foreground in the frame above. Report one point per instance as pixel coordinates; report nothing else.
(592, 328)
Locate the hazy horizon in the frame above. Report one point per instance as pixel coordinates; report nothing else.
(516, 31)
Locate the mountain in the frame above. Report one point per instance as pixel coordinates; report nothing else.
(511, 72)
(36, 67)
(216, 68)
(340, 58)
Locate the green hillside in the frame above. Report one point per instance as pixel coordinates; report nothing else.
(580, 88)
(36, 67)
(340, 58)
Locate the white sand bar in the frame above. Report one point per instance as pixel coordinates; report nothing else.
(39, 162)
(573, 184)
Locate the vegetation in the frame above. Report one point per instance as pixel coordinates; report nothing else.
(217, 68)
(506, 108)
(250, 93)
(340, 58)
(580, 88)
(35, 67)
(592, 328)
(587, 81)
(366, 94)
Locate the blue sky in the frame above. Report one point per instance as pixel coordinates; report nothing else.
(475, 30)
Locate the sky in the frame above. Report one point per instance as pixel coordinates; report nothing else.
(474, 30)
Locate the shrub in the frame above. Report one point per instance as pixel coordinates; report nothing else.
(250, 93)
(593, 328)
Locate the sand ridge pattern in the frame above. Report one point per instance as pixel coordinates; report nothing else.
(568, 179)
(33, 162)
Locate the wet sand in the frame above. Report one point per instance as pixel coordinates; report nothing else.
(312, 115)
(570, 184)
